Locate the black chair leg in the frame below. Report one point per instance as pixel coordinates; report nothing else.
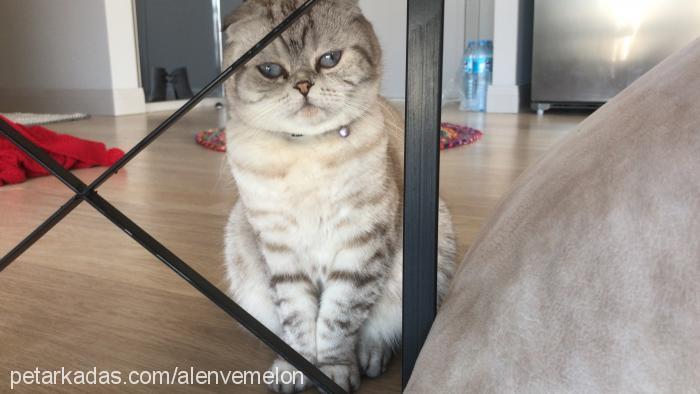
(159, 85)
(181, 84)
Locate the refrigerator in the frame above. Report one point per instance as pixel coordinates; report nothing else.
(586, 51)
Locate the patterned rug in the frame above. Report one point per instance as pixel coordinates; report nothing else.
(28, 119)
(454, 135)
(214, 139)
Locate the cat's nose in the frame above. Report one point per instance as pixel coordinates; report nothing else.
(303, 87)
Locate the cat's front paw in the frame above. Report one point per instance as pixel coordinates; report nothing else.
(373, 358)
(347, 376)
(283, 370)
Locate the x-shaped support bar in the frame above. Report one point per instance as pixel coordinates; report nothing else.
(423, 90)
(88, 193)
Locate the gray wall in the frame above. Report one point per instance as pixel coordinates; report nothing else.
(68, 56)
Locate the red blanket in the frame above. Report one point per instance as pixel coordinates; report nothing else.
(70, 152)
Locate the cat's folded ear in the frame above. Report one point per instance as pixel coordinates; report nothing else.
(243, 24)
(350, 2)
(249, 6)
(227, 22)
(244, 11)
(242, 28)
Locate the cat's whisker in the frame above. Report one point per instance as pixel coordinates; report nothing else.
(264, 113)
(364, 113)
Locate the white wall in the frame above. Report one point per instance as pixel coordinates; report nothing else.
(479, 17)
(389, 20)
(453, 49)
(69, 56)
(512, 55)
(123, 55)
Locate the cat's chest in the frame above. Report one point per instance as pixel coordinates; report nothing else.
(303, 189)
(302, 197)
(313, 198)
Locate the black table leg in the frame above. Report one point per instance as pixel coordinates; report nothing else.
(423, 108)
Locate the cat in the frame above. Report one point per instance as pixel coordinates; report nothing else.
(313, 247)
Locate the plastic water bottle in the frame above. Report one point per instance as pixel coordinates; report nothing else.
(468, 81)
(478, 68)
(484, 71)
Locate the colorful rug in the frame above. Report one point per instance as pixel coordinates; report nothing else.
(451, 136)
(454, 135)
(214, 139)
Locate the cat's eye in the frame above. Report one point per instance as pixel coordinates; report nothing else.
(330, 59)
(271, 70)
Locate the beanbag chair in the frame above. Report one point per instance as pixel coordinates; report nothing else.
(587, 278)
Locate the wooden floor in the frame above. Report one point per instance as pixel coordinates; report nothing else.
(87, 296)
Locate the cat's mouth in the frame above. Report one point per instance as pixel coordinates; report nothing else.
(309, 110)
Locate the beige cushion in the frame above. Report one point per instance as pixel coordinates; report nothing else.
(587, 278)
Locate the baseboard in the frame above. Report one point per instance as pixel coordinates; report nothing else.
(173, 105)
(94, 102)
(509, 99)
(129, 102)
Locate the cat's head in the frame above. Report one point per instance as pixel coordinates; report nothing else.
(321, 74)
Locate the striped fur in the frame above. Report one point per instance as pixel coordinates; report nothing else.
(314, 244)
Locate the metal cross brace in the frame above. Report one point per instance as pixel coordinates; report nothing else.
(423, 90)
(89, 194)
